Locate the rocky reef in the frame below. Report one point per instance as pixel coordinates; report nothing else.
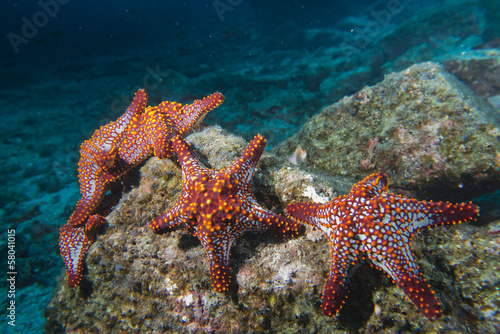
(429, 132)
(480, 70)
(140, 282)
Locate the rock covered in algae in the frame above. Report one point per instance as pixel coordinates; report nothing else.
(480, 70)
(429, 132)
(140, 282)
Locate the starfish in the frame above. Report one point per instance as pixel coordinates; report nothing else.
(100, 163)
(371, 225)
(154, 132)
(74, 243)
(218, 206)
(118, 146)
(114, 149)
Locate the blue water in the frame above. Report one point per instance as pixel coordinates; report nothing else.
(66, 67)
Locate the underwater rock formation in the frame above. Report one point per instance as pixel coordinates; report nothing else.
(140, 282)
(480, 70)
(429, 132)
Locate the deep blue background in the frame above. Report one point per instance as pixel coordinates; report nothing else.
(94, 28)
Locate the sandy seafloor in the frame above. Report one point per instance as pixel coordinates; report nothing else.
(48, 110)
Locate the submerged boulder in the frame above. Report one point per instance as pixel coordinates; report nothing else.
(422, 127)
(141, 282)
(480, 70)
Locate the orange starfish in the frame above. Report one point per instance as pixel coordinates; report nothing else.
(371, 225)
(218, 206)
(113, 150)
(100, 163)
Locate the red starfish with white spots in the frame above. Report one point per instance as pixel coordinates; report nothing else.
(218, 206)
(100, 164)
(119, 146)
(74, 244)
(113, 150)
(158, 125)
(371, 225)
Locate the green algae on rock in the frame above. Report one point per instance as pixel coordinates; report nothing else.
(139, 282)
(425, 129)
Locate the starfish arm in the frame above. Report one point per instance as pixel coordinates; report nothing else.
(171, 111)
(174, 218)
(321, 216)
(400, 265)
(191, 115)
(132, 117)
(254, 217)
(138, 103)
(345, 262)
(220, 273)
(372, 186)
(413, 215)
(136, 146)
(337, 287)
(74, 244)
(109, 136)
(160, 129)
(388, 247)
(440, 213)
(92, 194)
(92, 153)
(192, 168)
(242, 169)
(218, 248)
(334, 296)
(92, 224)
(420, 293)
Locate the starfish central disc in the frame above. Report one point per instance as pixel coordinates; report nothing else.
(218, 206)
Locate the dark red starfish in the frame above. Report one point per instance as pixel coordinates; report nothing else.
(218, 206)
(112, 151)
(371, 225)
